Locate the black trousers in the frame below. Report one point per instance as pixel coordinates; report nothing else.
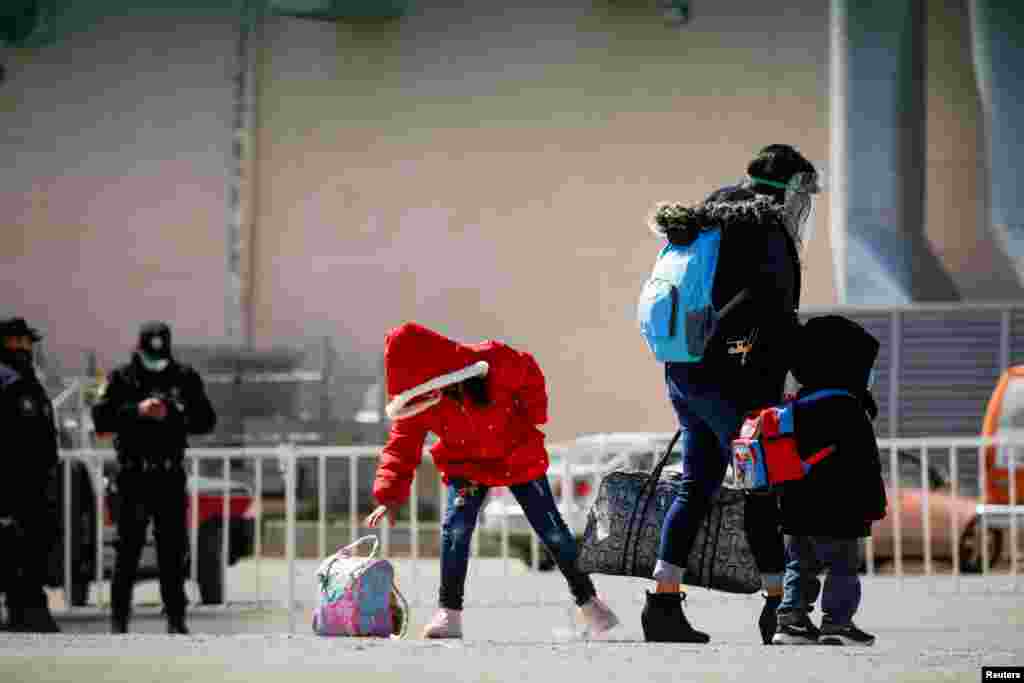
(27, 537)
(762, 521)
(28, 540)
(157, 495)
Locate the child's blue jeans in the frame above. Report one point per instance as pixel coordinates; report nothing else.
(806, 558)
(535, 497)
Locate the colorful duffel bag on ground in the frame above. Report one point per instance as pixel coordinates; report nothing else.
(358, 595)
(767, 450)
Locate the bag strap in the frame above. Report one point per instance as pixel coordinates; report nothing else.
(823, 393)
(347, 550)
(740, 297)
(652, 483)
(405, 610)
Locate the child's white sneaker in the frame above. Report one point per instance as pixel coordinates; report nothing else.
(597, 617)
(447, 623)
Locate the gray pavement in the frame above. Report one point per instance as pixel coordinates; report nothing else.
(928, 629)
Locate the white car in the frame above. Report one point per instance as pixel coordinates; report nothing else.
(583, 461)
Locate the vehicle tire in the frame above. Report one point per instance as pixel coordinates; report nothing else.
(546, 562)
(211, 578)
(970, 547)
(79, 593)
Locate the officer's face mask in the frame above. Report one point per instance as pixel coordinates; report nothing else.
(154, 363)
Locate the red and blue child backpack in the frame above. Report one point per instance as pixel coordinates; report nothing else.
(766, 452)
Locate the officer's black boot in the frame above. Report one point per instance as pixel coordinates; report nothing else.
(664, 622)
(768, 621)
(176, 625)
(119, 624)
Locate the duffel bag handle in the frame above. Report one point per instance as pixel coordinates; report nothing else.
(652, 483)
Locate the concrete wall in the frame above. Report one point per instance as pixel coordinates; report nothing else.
(115, 143)
(956, 211)
(486, 172)
(490, 174)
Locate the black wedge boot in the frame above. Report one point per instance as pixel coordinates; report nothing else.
(768, 621)
(664, 622)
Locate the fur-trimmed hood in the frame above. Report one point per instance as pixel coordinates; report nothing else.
(680, 224)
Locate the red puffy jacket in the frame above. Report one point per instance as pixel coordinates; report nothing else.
(495, 445)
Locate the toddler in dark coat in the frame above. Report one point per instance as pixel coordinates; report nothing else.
(826, 513)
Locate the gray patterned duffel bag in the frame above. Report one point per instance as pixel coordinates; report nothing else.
(624, 530)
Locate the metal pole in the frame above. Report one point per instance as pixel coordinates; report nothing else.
(321, 493)
(289, 459)
(1005, 327)
(414, 521)
(66, 468)
(897, 537)
(954, 490)
(241, 179)
(895, 362)
(504, 555)
(353, 494)
(983, 539)
(926, 521)
(1012, 471)
(225, 536)
(83, 431)
(258, 540)
(193, 523)
(96, 472)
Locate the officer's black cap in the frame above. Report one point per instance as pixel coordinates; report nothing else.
(155, 339)
(17, 327)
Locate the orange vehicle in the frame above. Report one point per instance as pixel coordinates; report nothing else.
(1005, 415)
(980, 520)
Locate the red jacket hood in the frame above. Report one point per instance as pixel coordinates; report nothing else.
(414, 355)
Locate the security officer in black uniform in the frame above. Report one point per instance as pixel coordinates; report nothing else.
(28, 456)
(151, 404)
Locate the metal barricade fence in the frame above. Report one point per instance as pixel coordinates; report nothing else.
(931, 519)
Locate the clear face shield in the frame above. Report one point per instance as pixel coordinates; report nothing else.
(799, 208)
(798, 205)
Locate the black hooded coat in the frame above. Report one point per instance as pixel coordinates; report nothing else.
(759, 257)
(844, 493)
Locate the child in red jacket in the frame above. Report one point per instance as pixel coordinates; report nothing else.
(483, 402)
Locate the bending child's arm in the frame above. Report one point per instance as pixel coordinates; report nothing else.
(398, 461)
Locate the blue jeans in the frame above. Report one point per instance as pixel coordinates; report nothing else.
(806, 558)
(464, 501)
(710, 420)
(709, 423)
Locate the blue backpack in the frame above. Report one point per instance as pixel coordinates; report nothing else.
(675, 313)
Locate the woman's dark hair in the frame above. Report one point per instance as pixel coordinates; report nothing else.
(778, 163)
(474, 387)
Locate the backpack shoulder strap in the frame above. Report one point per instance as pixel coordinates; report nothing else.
(823, 393)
